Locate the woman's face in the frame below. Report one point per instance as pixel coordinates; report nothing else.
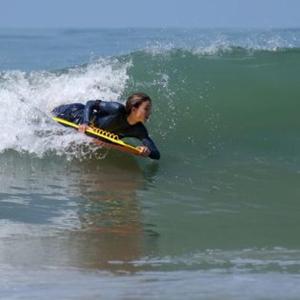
(142, 113)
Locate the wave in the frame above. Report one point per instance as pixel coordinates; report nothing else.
(219, 49)
(213, 41)
(26, 100)
(229, 101)
(252, 259)
(232, 98)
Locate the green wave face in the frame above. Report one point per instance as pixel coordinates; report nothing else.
(227, 101)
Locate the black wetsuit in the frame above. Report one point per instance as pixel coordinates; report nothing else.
(110, 116)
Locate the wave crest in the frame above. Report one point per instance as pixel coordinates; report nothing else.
(26, 100)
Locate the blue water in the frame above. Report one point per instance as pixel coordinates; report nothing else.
(218, 214)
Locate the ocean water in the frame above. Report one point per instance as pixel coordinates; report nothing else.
(217, 217)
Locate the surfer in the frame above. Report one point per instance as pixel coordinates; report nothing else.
(124, 120)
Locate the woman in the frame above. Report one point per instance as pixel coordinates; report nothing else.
(125, 121)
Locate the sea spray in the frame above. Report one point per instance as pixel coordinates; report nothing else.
(26, 101)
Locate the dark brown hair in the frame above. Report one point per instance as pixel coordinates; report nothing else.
(135, 100)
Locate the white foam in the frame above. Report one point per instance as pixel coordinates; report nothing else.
(23, 282)
(26, 100)
(218, 42)
(276, 258)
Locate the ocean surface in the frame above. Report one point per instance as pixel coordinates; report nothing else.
(217, 218)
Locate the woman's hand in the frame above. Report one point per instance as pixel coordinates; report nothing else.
(144, 151)
(83, 128)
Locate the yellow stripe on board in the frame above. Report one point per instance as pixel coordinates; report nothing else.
(98, 132)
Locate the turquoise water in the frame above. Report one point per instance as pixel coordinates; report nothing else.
(218, 213)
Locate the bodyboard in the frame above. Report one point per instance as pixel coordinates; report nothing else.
(108, 139)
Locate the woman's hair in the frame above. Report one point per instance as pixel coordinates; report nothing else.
(135, 100)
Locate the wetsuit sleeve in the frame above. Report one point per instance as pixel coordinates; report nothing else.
(154, 153)
(141, 133)
(89, 107)
(103, 107)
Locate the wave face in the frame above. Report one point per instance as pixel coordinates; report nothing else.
(214, 92)
(230, 101)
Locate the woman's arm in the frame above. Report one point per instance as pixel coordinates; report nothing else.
(148, 142)
(99, 106)
(103, 107)
(149, 148)
(89, 107)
